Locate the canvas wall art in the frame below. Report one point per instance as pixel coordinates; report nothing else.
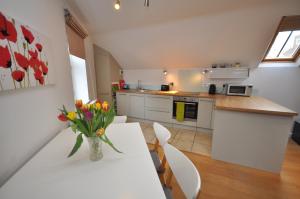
(25, 56)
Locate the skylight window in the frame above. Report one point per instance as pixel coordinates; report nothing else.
(285, 45)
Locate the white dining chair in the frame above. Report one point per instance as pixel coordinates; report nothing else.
(162, 136)
(162, 133)
(120, 119)
(185, 172)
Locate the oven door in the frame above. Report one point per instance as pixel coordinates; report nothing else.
(190, 110)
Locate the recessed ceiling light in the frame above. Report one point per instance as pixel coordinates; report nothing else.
(117, 5)
(146, 4)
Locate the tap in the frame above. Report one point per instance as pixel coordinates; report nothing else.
(139, 86)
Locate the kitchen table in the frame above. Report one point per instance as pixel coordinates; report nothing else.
(50, 174)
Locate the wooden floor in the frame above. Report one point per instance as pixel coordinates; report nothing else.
(225, 180)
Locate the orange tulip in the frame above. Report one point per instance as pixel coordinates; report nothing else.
(105, 106)
(78, 103)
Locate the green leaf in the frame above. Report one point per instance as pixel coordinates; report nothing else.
(81, 126)
(74, 128)
(110, 144)
(77, 145)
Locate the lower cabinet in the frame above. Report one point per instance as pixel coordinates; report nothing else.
(205, 113)
(122, 104)
(159, 108)
(137, 105)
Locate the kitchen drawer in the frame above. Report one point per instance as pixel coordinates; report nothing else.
(158, 116)
(159, 103)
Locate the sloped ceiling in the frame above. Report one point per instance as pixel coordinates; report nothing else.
(184, 33)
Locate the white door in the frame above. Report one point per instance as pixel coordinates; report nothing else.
(137, 106)
(205, 110)
(122, 104)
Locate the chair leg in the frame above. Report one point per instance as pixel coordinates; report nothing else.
(162, 167)
(156, 145)
(169, 178)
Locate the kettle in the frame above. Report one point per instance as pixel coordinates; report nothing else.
(212, 89)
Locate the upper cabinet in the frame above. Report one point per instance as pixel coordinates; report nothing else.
(228, 73)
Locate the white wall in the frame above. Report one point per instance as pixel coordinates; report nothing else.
(241, 34)
(90, 67)
(280, 84)
(28, 117)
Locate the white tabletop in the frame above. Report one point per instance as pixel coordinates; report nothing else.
(50, 174)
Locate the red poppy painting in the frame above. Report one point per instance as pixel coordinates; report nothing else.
(25, 56)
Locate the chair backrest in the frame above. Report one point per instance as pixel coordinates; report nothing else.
(161, 133)
(184, 171)
(120, 119)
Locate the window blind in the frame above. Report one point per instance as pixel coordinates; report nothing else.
(76, 36)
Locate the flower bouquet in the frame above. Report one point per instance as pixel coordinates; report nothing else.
(90, 120)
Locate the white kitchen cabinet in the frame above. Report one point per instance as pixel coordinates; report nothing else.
(205, 112)
(122, 104)
(158, 108)
(137, 106)
(229, 73)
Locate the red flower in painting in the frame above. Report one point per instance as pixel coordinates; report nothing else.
(22, 60)
(27, 34)
(5, 59)
(44, 68)
(33, 61)
(39, 47)
(39, 76)
(7, 29)
(18, 75)
(33, 54)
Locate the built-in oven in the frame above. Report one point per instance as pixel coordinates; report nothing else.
(190, 107)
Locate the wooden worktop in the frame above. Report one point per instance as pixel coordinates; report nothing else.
(172, 93)
(253, 104)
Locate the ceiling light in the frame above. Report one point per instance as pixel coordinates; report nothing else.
(146, 4)
(117, 5)
(165, 72)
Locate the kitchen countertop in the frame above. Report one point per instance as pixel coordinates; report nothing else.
(253, 104)
(172, 93)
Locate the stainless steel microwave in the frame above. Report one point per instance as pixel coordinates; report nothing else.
(239, 90)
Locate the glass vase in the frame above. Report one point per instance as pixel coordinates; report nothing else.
(95, 145)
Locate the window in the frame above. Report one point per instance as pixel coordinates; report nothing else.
(80, 85)
(285, 45)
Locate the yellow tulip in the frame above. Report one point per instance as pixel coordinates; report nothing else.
(89, 106)
(100, 132)
(71, 115)
(97, 106)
